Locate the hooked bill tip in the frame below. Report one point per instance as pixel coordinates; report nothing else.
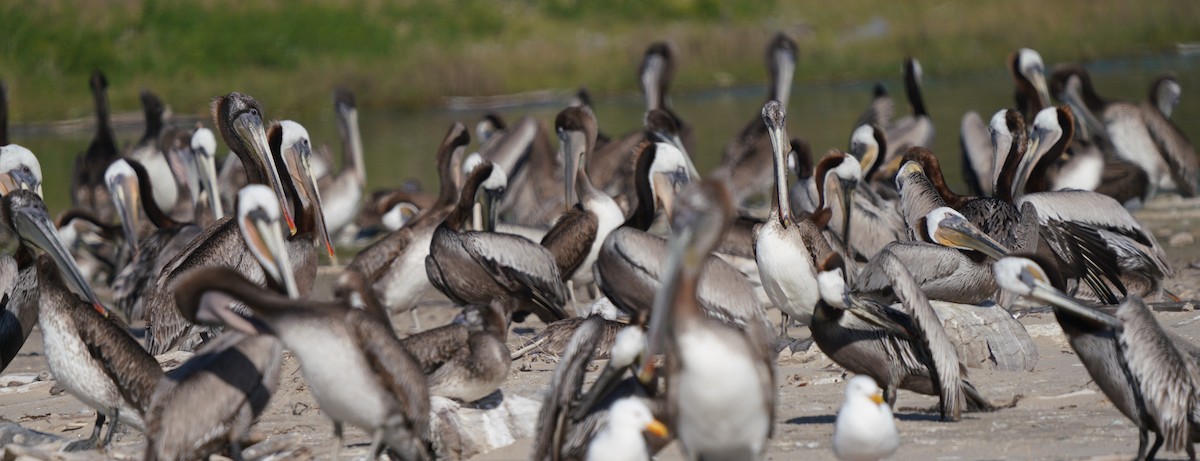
(101, 309)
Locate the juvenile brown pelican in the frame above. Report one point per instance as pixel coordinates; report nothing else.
(342, 193)
(211, 401)
(395, 264)
(747, 158)
(576, 238)
(339, 348)
(239, 118)
(1029, 75)
(466, 360)
(1139, 133)
(87, 181)
(864, 221)
(613, 425)
(89, 353)
(19, 293)
(720, 380)
(1134, 363)
(473, 267)
(526, 153)
(905, 348)
(783, 246)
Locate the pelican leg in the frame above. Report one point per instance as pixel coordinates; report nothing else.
(571, 294)
(90, 442)
(337, 440)
(1158, 441)
(376, 445)
(235, 450)
(890, 395)
(112, 427)
(783, 325)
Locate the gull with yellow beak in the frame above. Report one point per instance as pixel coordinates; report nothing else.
(865, 429)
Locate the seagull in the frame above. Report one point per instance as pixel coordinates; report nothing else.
(865, 429)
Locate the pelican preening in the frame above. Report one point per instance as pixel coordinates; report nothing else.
(1150, 376)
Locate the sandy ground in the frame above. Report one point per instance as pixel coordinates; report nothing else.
(1059, 413)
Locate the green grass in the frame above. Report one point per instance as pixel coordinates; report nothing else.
(413, 53)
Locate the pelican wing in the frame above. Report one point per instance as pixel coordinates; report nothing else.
(520, 266)
(14, 321)
(565, 388)
(978, 159)
(570, 240)
(394, 366)
(948, 372)
(133, 370)
(1166, 378)
(1175, 149)
(434, 347)
(945, 274)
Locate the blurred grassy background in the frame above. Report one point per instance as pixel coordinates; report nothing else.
(414, 53)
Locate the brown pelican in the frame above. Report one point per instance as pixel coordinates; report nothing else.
(803, 194)
(211, 401)
(905, 348)
(747, 158)
(915, 130)
(1029, 74)
(339, 347)
(576, 238)
(18, 264)
(864, 221)
(632, 263)
(607, 422)
(147, 151)
(239, 118)
(204, 150)
(609, 168)
(88, 352)
(1140, 133)
(954, 265)
(720, 380)
(1134, 363)
(466, 360)
(395, 264)
(865, 428)
(784, 247)
(342, 193)
(87, 181)
(473, 267)
(978, 161)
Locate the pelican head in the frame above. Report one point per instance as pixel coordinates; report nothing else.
(25, 212)
(19, 169)
(493, 190)
(832, 285)
(781, 64)
(122, 184)
(399, 215)
(849, 174)
(661, 125)
(775, 117)
(576, 127)
(1029, 64)
(668, 175)
(204, 146)
(867, 144)
(1164, 93)
(488, 126)
(655, 75)
(1027, 278)
(258, 217)
(949, 228)
(296, 152)
(239, 119)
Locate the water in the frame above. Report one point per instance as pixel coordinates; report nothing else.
(401, 145)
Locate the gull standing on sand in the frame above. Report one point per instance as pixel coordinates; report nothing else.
(865, 429)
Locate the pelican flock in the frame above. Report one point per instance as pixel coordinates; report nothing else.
(621, 251)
